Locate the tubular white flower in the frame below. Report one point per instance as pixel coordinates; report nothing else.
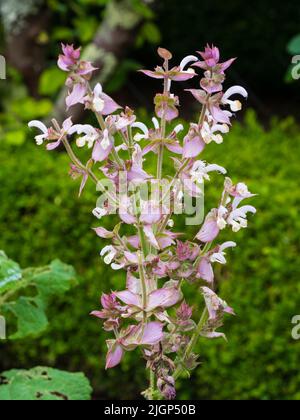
(216, 168)
(99, 212)
(178, 128)
(235, 106)
(109, 253)
(238, 218)
(187, 60)
(208, 132)
(117, 267)
(219, 256)
(155, 123)
(235, 90)
(90, 134)
(39, 125)
(200, 171)
(226, 245)
(143, 128)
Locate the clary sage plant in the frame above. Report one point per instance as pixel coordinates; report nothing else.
(151, 313)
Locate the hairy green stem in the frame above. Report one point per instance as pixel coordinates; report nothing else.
(192, 343)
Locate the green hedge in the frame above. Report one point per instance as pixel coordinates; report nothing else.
(42, 219)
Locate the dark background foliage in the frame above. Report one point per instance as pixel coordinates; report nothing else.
(41, 217)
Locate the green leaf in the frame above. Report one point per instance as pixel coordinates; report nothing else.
(294, 45)
(44, 384)
(51, 81)
(38, 285)
(31, 317)
(10, 273)
(57, 279)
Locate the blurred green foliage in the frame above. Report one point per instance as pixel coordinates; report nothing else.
(41, 218)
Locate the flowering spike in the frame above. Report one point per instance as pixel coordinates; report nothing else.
(152, 312)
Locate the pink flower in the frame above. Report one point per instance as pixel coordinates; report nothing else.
(166, 386)
(85, 69)
(76, 95)
(160, 298)
(51, 133)
(193, 143)
(214, 304)
(114, 355)
(104, 233)
(100, 102)
(205, 270)
(171, 142)
(166, 106)
(213, 104)
(176, 74)
(103, 147)
(184, 312)
(211, 57)
(134, 336)
(75, 173)
(69, 59)
(210, 229)
(185, 252)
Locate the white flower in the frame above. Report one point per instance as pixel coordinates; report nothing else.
(155, 123)
(89, 138)
(99, 212)
(210, 133)
(117, 267)
(187, 60)
(200, 171)
(138, 137)
(219, 256)
(109, 253)
(238, 217)
(178, 128)
(41, 137)
(235, 90)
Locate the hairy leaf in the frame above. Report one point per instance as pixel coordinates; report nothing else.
(29, 293)
(10, 273)
(43, 384)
